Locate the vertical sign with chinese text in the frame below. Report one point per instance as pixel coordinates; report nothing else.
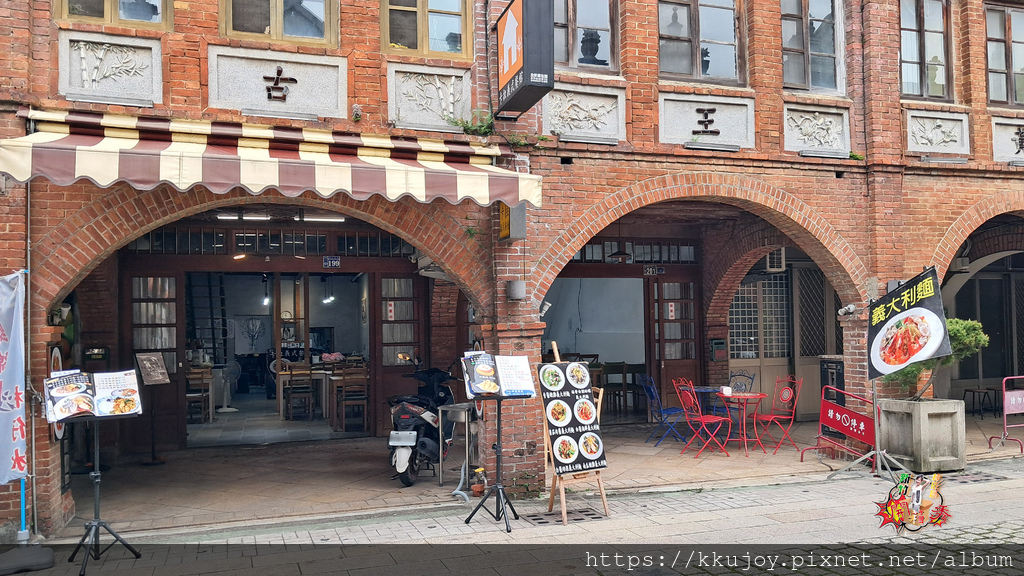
(13, 427)
(525, 75)
(907, 325)
(574, 435)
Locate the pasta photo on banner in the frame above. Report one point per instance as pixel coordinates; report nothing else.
(13, 460)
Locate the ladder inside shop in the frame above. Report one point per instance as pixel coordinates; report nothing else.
(206, 310)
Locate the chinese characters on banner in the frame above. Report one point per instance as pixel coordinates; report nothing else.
(907, 325)
(13, 426)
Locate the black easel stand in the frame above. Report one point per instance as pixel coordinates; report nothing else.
(91, 539)
(154, 460)
(501, 501)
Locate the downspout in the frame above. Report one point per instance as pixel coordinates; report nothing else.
(28, 347)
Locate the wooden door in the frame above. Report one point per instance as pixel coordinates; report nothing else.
(675, 332)
(760, 332)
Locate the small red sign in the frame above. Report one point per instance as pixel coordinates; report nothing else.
(853, 424)
(1013, 402)
(391, 311)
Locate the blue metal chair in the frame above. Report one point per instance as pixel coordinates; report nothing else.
(666, 418)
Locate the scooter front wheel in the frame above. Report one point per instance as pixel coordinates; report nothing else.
(408, 477)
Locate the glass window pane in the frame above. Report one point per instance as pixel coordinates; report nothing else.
(792, 7)
(934, 48)
(674, 20)
(593, 46)
(676, 57)
(718, 60)
(933, 15)
(717, 24)
(911, 78)
(792, 34)
(820, 10)
(723, 3)
(936, 80)
(995, 27)
(402, 27)
(1017, 26)
(593, 14)
(446, 33)
(996, 56)
(823, 72)
(140, 10)
(91, 8)
(560, 11)
(250, 16)
(823, 37)
(908, 14)
(404, 3)
(304, 18)
(793, 69)
(1018, 88)
(997, 87)
(911, 50)
(561, 45)
(1018, 58)
(445, 5)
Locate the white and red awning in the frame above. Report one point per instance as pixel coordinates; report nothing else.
(146, 152)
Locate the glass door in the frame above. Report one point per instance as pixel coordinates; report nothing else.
(675, 333)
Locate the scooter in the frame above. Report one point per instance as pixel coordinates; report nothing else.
(416, 441)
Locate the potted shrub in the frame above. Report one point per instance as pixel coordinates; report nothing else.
(924, 434)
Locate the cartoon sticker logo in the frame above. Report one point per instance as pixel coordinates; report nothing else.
(914, 503)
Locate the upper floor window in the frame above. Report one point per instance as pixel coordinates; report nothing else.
(809, 48)
(426, 27)
(121, 12)
(1005, 31)
(290, 20)
(923, 48)
(584, 33)
(698, 38)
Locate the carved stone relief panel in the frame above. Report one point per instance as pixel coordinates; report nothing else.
(716, 120)
(110, 69)
(816, 128)
(277, 84)
(938, 132)
(594, 114)
(428, 97)
(1007, 139)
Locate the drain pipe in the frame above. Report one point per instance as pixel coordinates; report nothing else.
(28, 345)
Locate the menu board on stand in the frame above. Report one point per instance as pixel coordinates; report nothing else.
(571, 429)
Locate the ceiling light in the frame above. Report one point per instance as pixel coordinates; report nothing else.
(239, 256)
(266, 291)
(243, 217)
(319, 219)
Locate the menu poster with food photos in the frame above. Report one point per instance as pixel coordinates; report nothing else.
(101, 394)
(507, 376)
(907, 325)
(573, 432)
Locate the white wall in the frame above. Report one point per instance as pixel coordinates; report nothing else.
(602, 316)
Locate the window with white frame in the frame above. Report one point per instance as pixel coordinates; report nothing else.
(699, 38)
(303, 21)
(1005, 32)
(923, 57)
(426, 27)
(810, 47)
(585, 33)
(120, 12)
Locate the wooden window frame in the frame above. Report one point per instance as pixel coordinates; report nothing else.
(570, 37)
(331, 18)
(923, 72)
(838, 55)
(423, 13)
(111, 16)
(1007, 42)
(695, 41)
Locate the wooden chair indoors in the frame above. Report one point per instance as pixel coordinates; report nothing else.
(197, 393)
(298, 388)
(351, 389)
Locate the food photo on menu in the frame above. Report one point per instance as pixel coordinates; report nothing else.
(508, 376)
(101, 394)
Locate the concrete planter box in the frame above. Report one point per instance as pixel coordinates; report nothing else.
(924, 436)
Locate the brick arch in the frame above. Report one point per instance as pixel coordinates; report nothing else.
(1007, 238)
(68, 252)
(807, 228)
(969, 221)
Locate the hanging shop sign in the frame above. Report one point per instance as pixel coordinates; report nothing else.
(525, 76)
(511, 221)
(574, 435)
(13, 422)
(907, 325)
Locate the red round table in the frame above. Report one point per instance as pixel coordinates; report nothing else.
(743, 401)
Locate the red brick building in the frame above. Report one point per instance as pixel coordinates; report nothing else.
(760, 166)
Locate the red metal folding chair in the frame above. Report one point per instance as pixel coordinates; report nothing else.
(783, 412)
(697, 421)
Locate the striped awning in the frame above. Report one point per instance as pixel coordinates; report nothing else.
(145, 152)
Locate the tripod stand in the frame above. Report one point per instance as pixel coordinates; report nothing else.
(91, 539)
(881, 459)
(501, 502)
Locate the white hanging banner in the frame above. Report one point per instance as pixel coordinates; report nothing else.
(13, 427)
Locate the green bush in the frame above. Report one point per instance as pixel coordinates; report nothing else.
(966, 338)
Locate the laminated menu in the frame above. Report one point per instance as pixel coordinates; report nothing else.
(507, 376)
(574, 435)
(100, 394)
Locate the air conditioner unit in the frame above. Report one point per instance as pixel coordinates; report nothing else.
(775, 262)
